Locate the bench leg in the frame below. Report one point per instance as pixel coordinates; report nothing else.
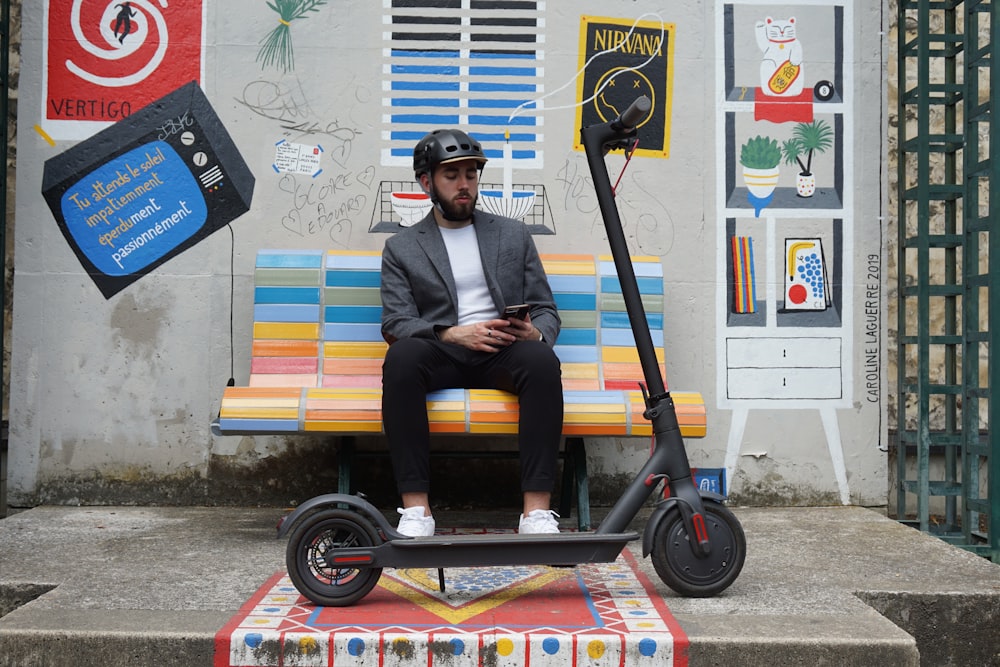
(568, 488)
(345, 459)
(576, 464)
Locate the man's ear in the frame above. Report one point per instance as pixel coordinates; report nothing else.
(425, 182)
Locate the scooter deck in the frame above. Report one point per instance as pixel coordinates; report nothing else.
(563, 549)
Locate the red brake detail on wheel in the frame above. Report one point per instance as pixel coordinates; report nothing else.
(700, 532)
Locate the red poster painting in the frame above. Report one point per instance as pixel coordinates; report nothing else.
(105, 59)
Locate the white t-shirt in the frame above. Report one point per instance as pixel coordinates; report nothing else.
(474, 301)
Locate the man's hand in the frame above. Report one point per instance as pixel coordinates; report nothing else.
(521, 329)
(491, 335)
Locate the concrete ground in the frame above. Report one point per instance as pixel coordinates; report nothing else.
(110, 586)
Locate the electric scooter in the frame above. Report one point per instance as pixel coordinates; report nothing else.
(339, 543)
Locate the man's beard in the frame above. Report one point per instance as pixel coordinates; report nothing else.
(458, 212)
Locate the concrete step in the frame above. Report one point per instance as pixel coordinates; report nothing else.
(821, 586)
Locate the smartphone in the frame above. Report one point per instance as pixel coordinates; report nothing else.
(518, 312)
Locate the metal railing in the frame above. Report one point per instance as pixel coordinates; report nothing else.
(947, 476)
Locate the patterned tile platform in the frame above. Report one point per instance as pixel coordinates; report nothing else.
(594, 615)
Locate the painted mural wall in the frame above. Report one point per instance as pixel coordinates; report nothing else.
(162, 144)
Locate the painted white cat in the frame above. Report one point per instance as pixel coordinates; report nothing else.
(781, 65)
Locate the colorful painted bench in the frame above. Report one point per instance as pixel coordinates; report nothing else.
(316, 364)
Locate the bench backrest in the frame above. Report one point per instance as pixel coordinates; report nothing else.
(317, 319)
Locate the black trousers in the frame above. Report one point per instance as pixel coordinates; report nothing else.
(415, 366)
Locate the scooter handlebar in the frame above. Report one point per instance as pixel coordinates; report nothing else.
(631, 117)
(614, 134)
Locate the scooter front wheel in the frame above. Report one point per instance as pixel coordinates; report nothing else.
(693, 575)
(310, 551)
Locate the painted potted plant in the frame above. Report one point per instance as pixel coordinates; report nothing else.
(760, 157)
(807, 138)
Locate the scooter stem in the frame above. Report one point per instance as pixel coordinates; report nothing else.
(669, 456)
(598, 140)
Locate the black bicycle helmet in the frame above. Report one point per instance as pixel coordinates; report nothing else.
(442, 146)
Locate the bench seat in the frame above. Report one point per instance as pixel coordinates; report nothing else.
(316, 358)
(248, 410)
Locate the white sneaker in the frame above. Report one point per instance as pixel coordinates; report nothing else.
(413, 523)
(538, 522)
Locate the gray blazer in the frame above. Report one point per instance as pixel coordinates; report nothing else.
(418, 288)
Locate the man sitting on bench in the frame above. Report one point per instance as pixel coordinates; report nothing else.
(446, 283)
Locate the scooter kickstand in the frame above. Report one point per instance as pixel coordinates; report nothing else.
(441, 579)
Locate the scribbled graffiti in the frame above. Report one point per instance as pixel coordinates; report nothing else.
(287, 104)
(647, 223)
(325, 206)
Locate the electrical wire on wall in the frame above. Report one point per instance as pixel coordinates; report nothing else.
(625, 70)
(232, 293)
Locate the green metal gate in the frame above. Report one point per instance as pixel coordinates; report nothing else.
(948, 455)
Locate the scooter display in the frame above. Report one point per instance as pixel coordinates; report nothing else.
(339, 543)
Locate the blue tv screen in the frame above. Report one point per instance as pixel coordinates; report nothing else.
(144, 190)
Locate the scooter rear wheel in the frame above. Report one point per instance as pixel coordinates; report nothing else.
(697, 576)
(311, 547)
